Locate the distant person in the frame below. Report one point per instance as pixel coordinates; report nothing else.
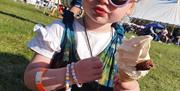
(164, 35)
(39, 4)
(153, 29)
(176, 35)
(74, 6)
(54, 8)
(48, 6)
(178, 40)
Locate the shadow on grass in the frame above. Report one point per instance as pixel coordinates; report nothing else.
(18, 17)
(12, 69)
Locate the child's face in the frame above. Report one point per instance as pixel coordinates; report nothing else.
(101, 11)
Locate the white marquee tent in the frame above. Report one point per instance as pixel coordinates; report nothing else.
(166, 11)
(31, 1)
(34, 1)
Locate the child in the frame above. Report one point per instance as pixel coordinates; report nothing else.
(78, 55)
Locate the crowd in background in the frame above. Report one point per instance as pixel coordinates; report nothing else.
(55, 7)
(159, 32)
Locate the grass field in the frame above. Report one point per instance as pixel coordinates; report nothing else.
(16, 24)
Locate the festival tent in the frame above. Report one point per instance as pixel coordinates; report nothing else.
(165, 11)
(31, 1)
(34, 1)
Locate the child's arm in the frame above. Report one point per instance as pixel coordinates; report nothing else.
(53, 79)
(50, 80)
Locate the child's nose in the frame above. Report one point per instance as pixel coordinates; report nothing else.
(104, 2)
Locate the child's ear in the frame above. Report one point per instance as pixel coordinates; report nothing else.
(131, 7)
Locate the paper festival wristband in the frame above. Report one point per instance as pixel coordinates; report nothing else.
(38, 79)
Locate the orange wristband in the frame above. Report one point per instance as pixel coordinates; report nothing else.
(38, 79)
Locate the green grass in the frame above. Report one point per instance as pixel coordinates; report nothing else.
(16, 24)
(166, 74)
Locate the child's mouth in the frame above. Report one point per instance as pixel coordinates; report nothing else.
(100, 11)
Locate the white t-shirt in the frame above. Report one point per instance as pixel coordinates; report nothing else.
(48, 39)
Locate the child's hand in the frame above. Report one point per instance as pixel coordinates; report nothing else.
(89, 69)
(123, 83)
